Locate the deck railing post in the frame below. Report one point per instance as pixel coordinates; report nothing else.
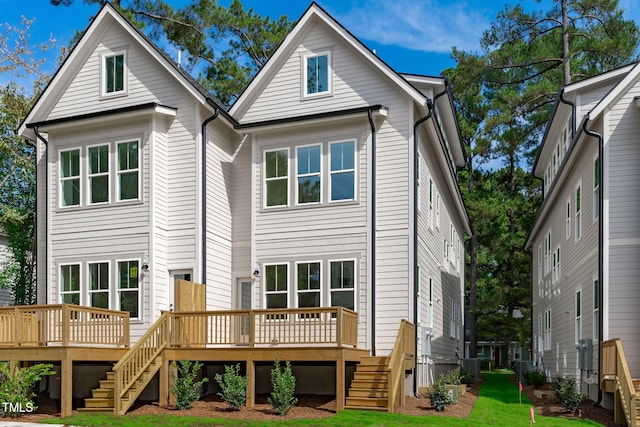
(252, 328)
(65, 324)
(126, 332)
(16, 326)
(339, 320)
(117, 390)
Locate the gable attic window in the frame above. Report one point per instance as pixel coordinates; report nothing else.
(114, 79)
(317, 74)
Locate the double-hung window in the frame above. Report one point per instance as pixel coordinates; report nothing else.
(547, 330)
(568, 219)
(99, 284)
(128, 288)
(578, 203)
(276, 177)
(430, 204)
(128, 170)
(317, 74)
(308, 177)
(342, 292)
(70, 283)
(596, 188)
(70, 177)
(276, 285)
(308, 284)
(98, 173)
(114, 80)
(342, 179)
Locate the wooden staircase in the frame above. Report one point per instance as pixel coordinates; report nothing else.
(370, 385)
(102, 397)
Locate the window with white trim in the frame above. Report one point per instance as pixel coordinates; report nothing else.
(69, 177)
(276, 285)
(555, 277)
(578, 312)
(430, 301)
(566, 137)
(128, 287)
(547, 330)
(454, 319)
(568, 219)
(437, 209)
(308, 284)
(128, 170)
(430, 204)
(98, 284)
(596, 310)
(276, 177)
(317, 74)
(98, 174)
(540, 277)
(578, 211)
(114, 78)
(342, 284)
(596, 188)
(540, 334)
(70, 284)
(547, 253)
(308, 177)
(342, 180)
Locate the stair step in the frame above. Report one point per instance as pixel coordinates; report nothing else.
(98, 402)
(371, 368)
(367, 402)
(111, 375)
(375, 360)
(102, 393)
(107, 384)
(371, 376)
(370, 384)
(363, 392)
(96, 410)
(366, 408)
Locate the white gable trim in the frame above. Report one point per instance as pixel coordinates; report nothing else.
(313, 15)
(616, 92)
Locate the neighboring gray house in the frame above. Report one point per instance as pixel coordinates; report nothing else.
(585, 288)
(330, 182)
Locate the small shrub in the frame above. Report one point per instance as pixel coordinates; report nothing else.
(186, 389)
(535, 378)
(467, 377)
(440, 397)
(284, 384)
(16, 387)
(233, 386)
(450, 377)
(566, 392)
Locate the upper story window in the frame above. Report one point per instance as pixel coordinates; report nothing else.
(128, 170)
(114, 78)
(70, 177)
(308, 177)
(98, 173)
(567, 230)
(596, 188)
(317, 74)
(342, 177)
(578, 203)
(276, 177)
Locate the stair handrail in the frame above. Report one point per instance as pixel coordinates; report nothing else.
(401, 349)
(139, 358)
(624, 382)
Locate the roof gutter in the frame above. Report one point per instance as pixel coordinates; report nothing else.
(216, 112)
(600, 246)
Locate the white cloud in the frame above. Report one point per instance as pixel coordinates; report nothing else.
(428, 25)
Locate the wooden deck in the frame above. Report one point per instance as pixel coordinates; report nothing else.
(68, 334)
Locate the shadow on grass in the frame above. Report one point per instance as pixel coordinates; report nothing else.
(498, 386)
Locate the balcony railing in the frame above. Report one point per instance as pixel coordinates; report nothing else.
(63, 324)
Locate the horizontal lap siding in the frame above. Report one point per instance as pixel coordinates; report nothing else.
(241, 211)
(158, 254)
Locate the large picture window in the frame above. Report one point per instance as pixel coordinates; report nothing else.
(276, 286)
(317, 75)
(276, 177)
(99, 284)
(342, 284)
(342, 177)
(309, 180)
(128, 170)
(128, 288)
(70, 177)
(70, 284)
(98, 174)
(113, 73)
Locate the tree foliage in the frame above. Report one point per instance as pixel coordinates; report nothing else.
(224, 46)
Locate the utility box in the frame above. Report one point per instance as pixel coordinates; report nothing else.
(585, 361)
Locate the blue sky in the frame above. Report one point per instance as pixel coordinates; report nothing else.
(413, 36)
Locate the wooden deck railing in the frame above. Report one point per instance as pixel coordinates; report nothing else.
(63, 324)
(402, 358)
(614, 367)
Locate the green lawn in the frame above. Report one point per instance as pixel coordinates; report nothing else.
(497, 406)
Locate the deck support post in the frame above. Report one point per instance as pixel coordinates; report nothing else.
(251, 383)
(173, 374)
(340, 384)
(66, 387)
(163, 399)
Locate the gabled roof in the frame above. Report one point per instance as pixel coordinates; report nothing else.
(106, 16)
(312, 15)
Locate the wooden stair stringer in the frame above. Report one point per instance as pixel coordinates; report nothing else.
(370, 384)
(130, 396)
